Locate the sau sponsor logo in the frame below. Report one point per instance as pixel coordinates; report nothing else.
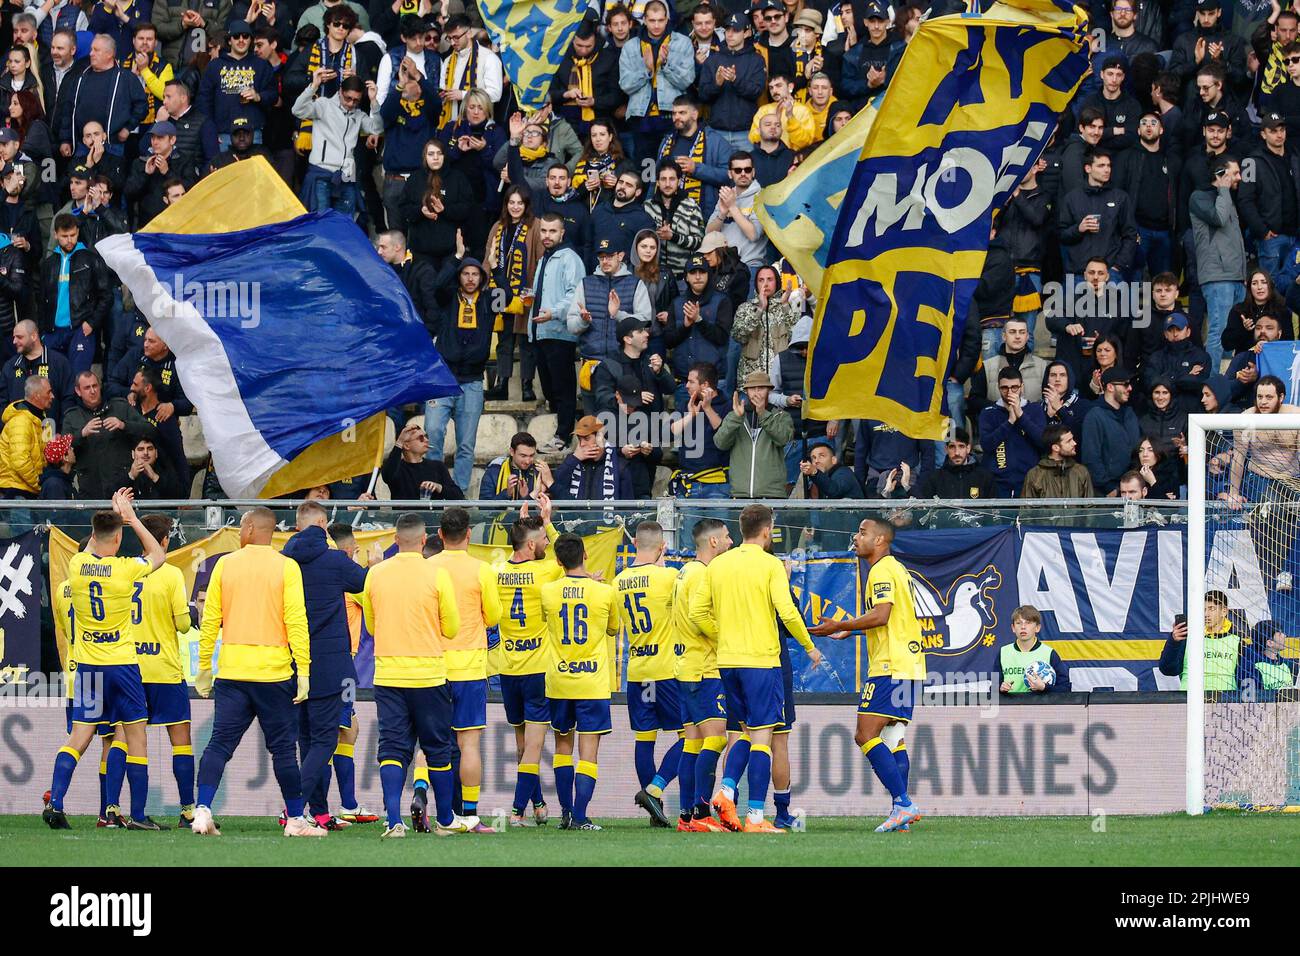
(531, 644)
(75, 909)
(960, 619)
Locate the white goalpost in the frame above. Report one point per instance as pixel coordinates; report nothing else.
(1243, 512)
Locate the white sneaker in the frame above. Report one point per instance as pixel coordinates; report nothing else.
(397, 830)
(302, 827)
(1284, 581)
(203, 823)
(458, 824)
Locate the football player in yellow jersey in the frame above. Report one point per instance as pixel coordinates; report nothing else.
(743, 593)
(164, 615)
(480, 608)
(644, 592)
(106, 593)
(523, 656)
(896, 670)
(61, 606)
(580, 614)
(699, 686)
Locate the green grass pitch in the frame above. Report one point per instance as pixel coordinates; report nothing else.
(1216, 840)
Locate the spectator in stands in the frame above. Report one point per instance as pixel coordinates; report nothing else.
(1262, 298)
(1017, 661)
(1165, 421)
(1097, 220)
(595, 470)
(33, 358)
(92, 97)
(74, 296)
(241, 148)
(734, 215)
(237, 83)
(788, 371)
(762, 325)
(595, 175)
(622, 214)
(586, 83)
(1222, 647)
(559, 274)
(147, 476)
(885, 459)
(660, 284)
(1063, 404)
(1144, 338)
(410, 61)
(1182, 362)
(678, 221)
(410, 121)
(1110, 433)
(467, 65)
(1210, 40)
(17, 216)
(513, 250)
(146, 389)
(870, 65)
(960, 478)
(994, 296)
(700, 154)
(831, 479)
(1149, 173)
(464, 340)
(772, 158)
(798, 126)
(196, 134)
(1107, 353)
(1123, 35)
(472, 145)
(419, 277)
(1243, 370)
(755, 434)
(1012, 353)
(146, 183)
(654, 69)
(731, 277)
(151, 353)
(632, 383)
(104, 433)
(1120, 110)
(22, 440)
(699, 327)
(1158, 470)
(1023, 228)
(516, 476)
(1058, 473)
(435, 204)
(1220, 251)
(183, 23)
(337, 122)
(1091, 316)
(56, 478)
(1011, 432)
(1267, 199)
(1074, 153)
(561, 198)
(411, 473)
(703, 465)
(731, 80)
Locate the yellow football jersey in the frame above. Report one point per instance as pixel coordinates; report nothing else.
(894, 650)
(166, 618)
(645, 607)
(65, 627)
(523, 627)
(107, 606)
(581, 614)
(699, 656)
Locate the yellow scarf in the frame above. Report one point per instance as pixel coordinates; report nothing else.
(531, 154)
(580, 79)
(467, 311)
(317, 58)
(692, 186)
(659, 62)
(449, 80)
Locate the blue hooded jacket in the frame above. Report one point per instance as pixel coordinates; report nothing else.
(326, 576)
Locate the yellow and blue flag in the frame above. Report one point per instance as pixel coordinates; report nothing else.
(533, 37)
(291, 335)
(942, 157)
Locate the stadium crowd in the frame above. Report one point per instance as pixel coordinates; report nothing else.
(610, 240)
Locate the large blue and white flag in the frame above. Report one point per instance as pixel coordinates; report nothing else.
(1283, 360)
(284, 335)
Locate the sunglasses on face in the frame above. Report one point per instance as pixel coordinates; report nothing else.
(742, 169)
(1293, 59)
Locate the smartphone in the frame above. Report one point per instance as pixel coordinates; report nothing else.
(1180, 619)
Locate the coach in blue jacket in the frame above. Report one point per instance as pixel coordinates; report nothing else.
(326, 576)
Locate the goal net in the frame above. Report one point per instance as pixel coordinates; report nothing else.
(1243, 613)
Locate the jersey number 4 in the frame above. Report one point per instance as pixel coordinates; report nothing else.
(574, 620)
(517, 608)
